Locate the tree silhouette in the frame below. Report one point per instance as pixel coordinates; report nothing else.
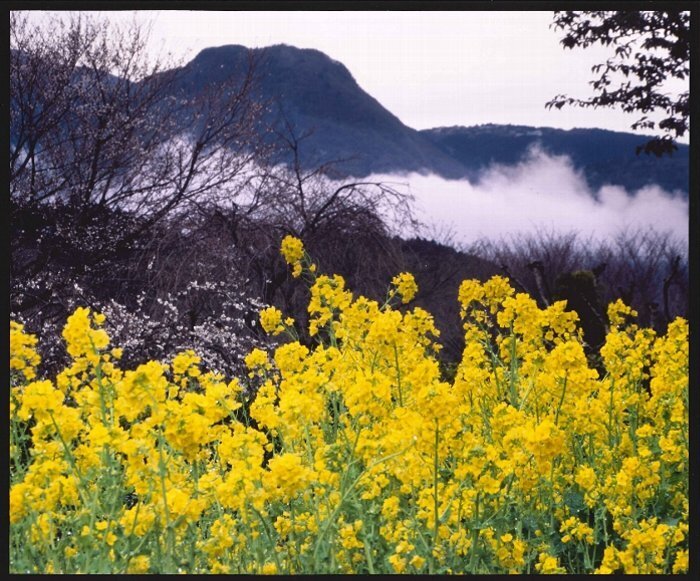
(97, 126)
(650, 48)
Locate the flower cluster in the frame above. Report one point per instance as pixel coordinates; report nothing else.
(357, 454)
(406, 286)
(23, 356)
(273, 322)
(293, 251)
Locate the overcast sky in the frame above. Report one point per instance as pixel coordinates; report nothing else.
(429, 68)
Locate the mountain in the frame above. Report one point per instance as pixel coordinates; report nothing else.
(605, 157)
(319, 98)
(312, 92)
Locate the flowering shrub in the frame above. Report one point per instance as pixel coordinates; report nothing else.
(215, 319)
(355, 455)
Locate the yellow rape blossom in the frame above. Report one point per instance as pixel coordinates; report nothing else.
(23, 356)
(406, 286)
(292, 249)
(272, 321)
(548, 565)
(139, 565)
(82, 339)
(357, 450)
(619, 312)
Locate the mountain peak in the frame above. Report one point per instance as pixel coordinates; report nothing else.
(282, 54)
(318, 96)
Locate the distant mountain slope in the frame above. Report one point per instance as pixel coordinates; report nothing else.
(317, 94)
(313, 92)
(606, 157)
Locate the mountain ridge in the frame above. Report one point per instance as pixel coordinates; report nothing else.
(605, 157)
(336, 120)
(317, 94)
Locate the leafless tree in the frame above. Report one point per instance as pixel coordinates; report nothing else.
(645, 268)
(343, 221)
(98, 124)
(106, 142)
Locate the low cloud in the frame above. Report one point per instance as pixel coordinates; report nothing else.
(543, 192)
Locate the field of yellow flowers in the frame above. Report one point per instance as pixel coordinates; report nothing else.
(358, 453)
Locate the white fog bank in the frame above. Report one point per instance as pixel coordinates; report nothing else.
(543, 192)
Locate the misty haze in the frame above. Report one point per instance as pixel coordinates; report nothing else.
(542, 192)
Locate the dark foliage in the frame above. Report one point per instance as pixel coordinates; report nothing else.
(647, 49)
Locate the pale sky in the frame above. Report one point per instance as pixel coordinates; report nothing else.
(429, 68)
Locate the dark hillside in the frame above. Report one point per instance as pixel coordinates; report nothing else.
(316, 94)
(606, 157)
